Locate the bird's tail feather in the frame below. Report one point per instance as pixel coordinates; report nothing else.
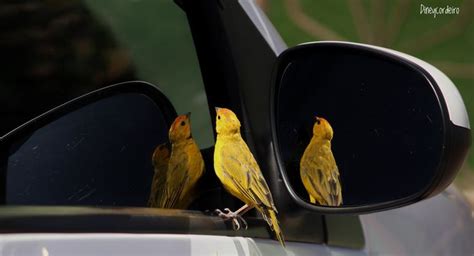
(271, 218)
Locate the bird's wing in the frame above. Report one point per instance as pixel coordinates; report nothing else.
(176, 180)
(244, 172)
(323, 176)
(334, 183)
(158, 186)
(196, 163)
(313, 178)
(158, 161)
(160, 165)
(159, 183)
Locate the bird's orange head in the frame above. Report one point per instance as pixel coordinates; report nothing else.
(322, 129)
(180, 130)
(226, 121)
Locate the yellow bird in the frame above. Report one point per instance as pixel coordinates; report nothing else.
(160, 160)
(240, 174)
(185, 166)
(318, 168)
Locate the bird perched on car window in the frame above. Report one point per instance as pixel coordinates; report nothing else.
(240, 174)
(318, 168)
(160, 160)
(185, 166)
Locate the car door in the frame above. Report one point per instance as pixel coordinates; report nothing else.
(141, 46)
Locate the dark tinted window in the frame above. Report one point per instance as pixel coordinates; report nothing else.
(97, 155)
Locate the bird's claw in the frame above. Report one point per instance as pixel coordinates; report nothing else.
(246, 226)
(237, 220)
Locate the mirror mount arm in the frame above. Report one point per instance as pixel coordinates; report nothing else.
(228, 35)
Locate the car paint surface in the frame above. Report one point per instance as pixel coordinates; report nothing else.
(442, 225)
(152, 244)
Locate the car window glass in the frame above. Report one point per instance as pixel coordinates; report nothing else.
(97, 155)
(156, 35)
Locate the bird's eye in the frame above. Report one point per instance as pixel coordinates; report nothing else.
(318, 122)
(183, 123)
(219, 117)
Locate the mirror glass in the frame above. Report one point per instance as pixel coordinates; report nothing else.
(386, 120)
(99, 154)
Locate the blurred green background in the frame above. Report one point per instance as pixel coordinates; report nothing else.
(160, 45)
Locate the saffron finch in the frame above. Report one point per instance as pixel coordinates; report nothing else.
(240, 174)
(318, 168)
(185, 166)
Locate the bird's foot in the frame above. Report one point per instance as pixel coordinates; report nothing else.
(237, 220)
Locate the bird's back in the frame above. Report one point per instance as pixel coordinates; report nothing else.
(195, 164)
(238, 170)
(185, 168)
(320, 174)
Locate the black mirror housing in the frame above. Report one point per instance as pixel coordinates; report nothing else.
(401, 130)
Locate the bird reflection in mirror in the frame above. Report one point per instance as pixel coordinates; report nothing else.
(185, 167)
(160, 160)
(318, 168)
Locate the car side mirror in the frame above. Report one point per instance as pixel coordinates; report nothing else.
(95, 150)
(400, 128)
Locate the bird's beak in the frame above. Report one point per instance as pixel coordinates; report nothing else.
(217, 109)
(318, 120)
